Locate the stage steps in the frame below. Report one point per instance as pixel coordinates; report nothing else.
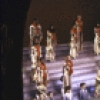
(61, 50)
(85, 68)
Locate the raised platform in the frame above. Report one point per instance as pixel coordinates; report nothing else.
(85, 69)
(61, 50)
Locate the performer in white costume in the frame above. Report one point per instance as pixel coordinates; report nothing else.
(73, 48)
(67, 71)
(79, 25)
(74, 35)
(35, 33)
(51, 42)
(97, 39)
(50, 55)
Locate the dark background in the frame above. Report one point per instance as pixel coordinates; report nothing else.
(62, 14)
(18, 15)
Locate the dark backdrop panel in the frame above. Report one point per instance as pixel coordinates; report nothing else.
(62, 14)
(14, 16)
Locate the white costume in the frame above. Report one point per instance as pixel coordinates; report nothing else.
(79, 25)
(97, 44)
(66, 75)
(50, 55)
(73, 46)
(67, 71)
(34, 55)
(35, 33)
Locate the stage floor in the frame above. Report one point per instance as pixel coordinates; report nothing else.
(85, 69)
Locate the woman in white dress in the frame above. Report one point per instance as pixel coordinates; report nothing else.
(73, 48)
(66, 75)
(49, 49)
(67, 71)
(51, 43)
(36, 34)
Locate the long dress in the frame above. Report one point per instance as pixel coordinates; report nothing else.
(96, 45)
(68, 70)
(74, 35)
(73, 50)
(66, 77)
(50, 55)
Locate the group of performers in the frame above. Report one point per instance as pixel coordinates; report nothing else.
(38, 66)
(39, 69)
(75, 48)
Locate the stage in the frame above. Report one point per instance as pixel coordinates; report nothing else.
(85, 67)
